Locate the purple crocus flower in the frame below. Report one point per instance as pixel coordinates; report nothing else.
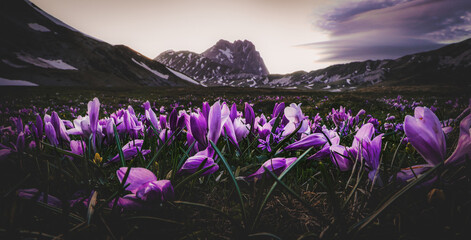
(151, 117)
(279, 108)
(172, 119)
(130, 150)
(51, 134)
(205, 109)
(199, 128)
(144, 186)
(334, 139)
(241, 129)
(371, 151)
(214, 122)
(233, 114)
(275, 165)
(365, 132)
(77, 147)
(313, 140)
(192, 164)
(39, 126)
(249, 115)
(156, 191)
(425, 133)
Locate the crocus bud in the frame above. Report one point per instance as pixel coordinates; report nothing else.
(199, 128)
(20, 142)
(51, 134)
(279, 107)
(19, 125)
(172, 119)
(93, 112)
(39, 126)
(205, 110)
(233, 114)
(249, 115)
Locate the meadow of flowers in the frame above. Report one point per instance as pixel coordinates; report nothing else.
(226, 168)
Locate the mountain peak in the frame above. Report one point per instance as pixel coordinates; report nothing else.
(241, 54)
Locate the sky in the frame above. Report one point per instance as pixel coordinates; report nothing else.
(291, 35)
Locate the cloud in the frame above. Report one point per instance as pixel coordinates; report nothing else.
(377, 29)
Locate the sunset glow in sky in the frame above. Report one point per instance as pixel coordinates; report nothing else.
(290, 35)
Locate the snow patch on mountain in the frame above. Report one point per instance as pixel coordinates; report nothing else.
(8, 82)
(158, 74)
(228, 54)
(58, 64)
(184, 77)
(38, 27)
(45, 63)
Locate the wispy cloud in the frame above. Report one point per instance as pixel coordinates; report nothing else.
(375, 29)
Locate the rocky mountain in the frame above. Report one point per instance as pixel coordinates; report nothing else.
(450, 64)
(240, 55)
(224, 64)
(39, 49)
(237, 64)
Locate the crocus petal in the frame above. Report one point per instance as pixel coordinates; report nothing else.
(275, 165)
(365, 132)
(323, 153)
(130, 202)
(214, 122)
(205, 110)
(230, 132)
(77, 147)
(313, 140)
(241, 129)
(137, 177)
(279, 107)
(406, 173)
(199, 128)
